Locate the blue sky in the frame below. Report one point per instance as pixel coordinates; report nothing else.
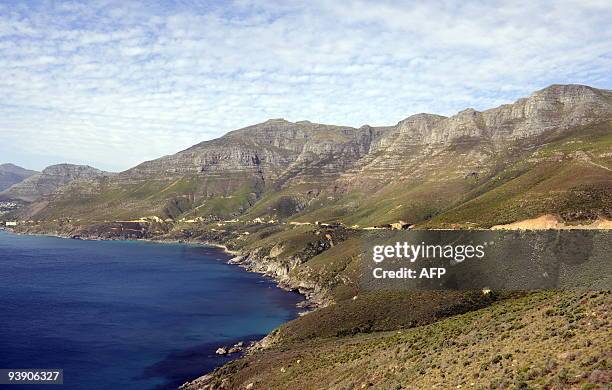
(114, 83)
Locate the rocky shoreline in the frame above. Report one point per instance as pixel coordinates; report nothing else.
(259, 259)
(249, 262)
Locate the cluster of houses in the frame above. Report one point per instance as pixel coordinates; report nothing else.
(7, 205)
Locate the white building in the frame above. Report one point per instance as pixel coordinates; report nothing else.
(11, 223)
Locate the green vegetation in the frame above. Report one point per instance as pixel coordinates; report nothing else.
(378, 311)
(560, 178)
(543, 340)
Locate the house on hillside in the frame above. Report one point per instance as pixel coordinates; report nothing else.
(400, 225)
(11, 223)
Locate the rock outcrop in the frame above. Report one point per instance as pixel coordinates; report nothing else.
(557, 107)
(263, 154)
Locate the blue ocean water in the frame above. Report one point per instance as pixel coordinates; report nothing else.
(126, 314)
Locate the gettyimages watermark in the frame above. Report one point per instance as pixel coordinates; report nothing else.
(467, 260)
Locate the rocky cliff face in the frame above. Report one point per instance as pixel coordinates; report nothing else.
(425, 144)
(12, 174)
(557, 107)
(255, 160)
(267, 150)
(49, 180)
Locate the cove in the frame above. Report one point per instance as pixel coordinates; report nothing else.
(127, 314)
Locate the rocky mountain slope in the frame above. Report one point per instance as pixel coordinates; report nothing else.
(260, 190)
(553, 145)
(12, 174)
(49, 180)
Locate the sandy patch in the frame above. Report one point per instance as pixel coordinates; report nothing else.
(550, 221)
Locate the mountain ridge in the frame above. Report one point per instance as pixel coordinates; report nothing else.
(282, 169)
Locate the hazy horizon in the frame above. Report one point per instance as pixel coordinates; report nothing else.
(111, 84)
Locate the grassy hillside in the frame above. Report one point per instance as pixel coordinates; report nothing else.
(166, 198)
(571, 177)
(557, 340)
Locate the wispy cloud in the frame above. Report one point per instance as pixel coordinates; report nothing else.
(112, 83)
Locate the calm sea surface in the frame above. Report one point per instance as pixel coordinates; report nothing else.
(125, 314)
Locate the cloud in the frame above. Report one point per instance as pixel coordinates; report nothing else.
(114, 83)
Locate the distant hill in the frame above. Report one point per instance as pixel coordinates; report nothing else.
(12, 174)
(50, 179)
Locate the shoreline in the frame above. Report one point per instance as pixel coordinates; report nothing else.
(237, 255)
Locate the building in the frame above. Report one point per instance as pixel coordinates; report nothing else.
(11, 223)
(400, 225)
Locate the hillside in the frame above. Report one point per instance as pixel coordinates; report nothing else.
(543, 340)
(12, 174)
(260, 190)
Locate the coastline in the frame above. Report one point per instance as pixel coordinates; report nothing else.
(238, 258)
(211, 291)
(252, 261)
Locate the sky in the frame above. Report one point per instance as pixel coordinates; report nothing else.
(114, 83)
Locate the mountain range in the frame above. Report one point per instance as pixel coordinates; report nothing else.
(547, 153)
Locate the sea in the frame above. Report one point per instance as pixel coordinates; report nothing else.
(127, 314)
